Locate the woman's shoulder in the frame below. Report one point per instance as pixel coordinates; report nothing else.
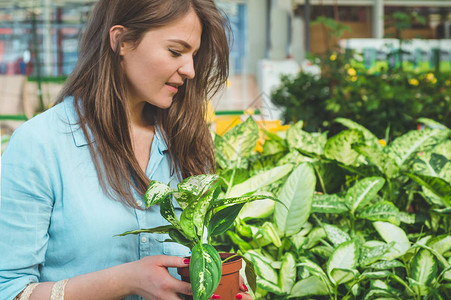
(46, 125)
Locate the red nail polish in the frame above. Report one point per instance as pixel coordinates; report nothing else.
(245, 287)
(239, 296)
(186, 261)
(214, 296)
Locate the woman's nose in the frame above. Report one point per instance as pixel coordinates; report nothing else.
(187, 69)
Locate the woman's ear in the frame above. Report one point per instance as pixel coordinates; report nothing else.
(115, 32)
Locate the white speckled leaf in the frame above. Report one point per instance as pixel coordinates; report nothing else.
(156, 192)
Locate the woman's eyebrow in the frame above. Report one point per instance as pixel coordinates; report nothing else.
(182, 42)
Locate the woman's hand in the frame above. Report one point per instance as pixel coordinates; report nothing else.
(153, 280)
(243, 294)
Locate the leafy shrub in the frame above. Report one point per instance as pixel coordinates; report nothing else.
(361, 219)
(391, 100)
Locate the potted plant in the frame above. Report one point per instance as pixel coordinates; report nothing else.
(204, 215)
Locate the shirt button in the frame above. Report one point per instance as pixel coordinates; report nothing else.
(143, 239)
(139, 202)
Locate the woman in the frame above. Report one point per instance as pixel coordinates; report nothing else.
(75, 175)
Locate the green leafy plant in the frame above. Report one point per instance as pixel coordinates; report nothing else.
(360, 219)
(208, 209)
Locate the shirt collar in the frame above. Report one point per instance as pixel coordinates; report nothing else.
(73, 120)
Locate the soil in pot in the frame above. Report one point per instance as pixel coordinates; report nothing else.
(229, 285)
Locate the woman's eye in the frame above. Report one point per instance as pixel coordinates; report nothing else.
(174, 53)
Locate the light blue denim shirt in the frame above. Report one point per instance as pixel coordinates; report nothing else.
(55, 220)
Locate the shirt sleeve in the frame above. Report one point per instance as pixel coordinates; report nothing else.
(25, 209)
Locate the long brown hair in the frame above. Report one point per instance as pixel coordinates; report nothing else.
(98, 86)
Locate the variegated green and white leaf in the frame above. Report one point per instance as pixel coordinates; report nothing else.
(239, 142)
(339, 147)
(328, 204)
(314, 237)
(262, 267)
(199, 184)
(205, 271)
(374, 254)
(341, 276)
(440, 187)
(380, 159)
(423, 267)
(296, 196)
(386, 265)
(305, 141)
(315, 270)
(159, 229)
(381, 211)
(167, 211)
(432, 123)
(269, 286)
(270, 231)
(310, 286)
(392, 233)
(257, 209)
(375, 275)
(404, 147)
(156, 193)
(287, 274)
(363, 192)
(335, 234)
(370, 138)
(345, 257)
(441, 244)
(260, 180)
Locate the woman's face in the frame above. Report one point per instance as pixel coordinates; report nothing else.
(162, 61)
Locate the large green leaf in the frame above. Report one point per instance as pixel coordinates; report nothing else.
(167, 211)
(345, 257)
(198, 185)
(186, 219)
(205, 270)
(159, 229)
(441, 244)
(438, 186)
(335, 234)
(257, 209)
(262, 267)
(339, 147)
(363, 192)
(372, 255)
(306, 142)
(315, 270)
(328, 204)
(287, 274)
(223, 219)
(310, 286)
(423, 271)
(370, 138)
(260, 180)
(381, 160)
(392, 233)
(404, 147)
(381, 211)
(239, 142)
(156, 192)
(296, 197)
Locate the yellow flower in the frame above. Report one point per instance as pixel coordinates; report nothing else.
(383, 143)
(430, 77)
(333, 57)
(413, 81)
(352, 72)
(434, 80)
(448, 82)
(354, 78)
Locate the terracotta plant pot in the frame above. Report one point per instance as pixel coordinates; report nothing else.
(229, 285)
